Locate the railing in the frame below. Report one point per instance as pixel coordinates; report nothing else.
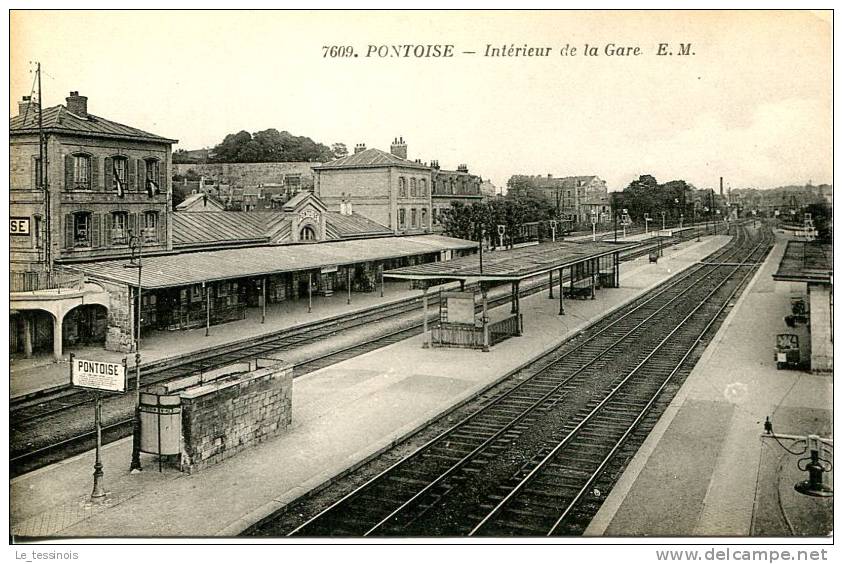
(504, 329)
(32, 281)
(453, 335)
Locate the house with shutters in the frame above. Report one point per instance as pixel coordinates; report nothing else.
(101, 183)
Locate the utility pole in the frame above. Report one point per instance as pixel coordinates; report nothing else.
(42, 170)
(136, 243)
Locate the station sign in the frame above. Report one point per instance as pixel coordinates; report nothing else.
(18, 226)
(98, 375)
(329, 269)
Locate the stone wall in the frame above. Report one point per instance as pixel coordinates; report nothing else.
(118, 331)
(222, 418)
(822, 347)
(251, 174)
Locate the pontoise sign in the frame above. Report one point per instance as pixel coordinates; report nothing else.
(98, 375)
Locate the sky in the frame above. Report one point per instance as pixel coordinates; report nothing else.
(752, 104)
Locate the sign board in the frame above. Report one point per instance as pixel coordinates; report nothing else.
(459, 307)
(329, 269)
(18, 226)
(98, 375)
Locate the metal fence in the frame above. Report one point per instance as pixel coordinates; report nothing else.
(31, 281)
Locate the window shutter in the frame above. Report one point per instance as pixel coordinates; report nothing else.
(130, 172)
(162, 233)
(141, 175)
(68, 230)
(95, 173)
(162, 176)
(132, 223)
(96, 229)
(109, 225)
(108, 174)
(68, 172)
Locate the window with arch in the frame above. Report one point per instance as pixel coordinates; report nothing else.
(413, 193)
(423, 217)
(81, 172)
(413, 218)
(150, 227)
(119, 171)
(82, 229)
(307, 233)
(423, 184)
(402, 218)
(402, 187)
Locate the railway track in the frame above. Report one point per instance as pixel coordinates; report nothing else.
(524, 463)
(28, 415)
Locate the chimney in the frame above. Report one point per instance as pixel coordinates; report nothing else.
(77, 104)
(721, 186)
(434, 164)
(359, 148)
(24, 105)
(399, 148)
(462, 168)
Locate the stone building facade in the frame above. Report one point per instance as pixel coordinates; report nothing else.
(102, 183)
(384, 187)
(453, 186)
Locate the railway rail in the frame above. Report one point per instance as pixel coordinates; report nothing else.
(524, 463)
(28, 414)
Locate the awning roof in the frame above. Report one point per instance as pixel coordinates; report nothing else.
(806, 262)
(183, 269)
(512, 265)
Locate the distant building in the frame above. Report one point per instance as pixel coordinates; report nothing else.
(573, 196)
(384, 187)
(200, 203)
(488, 190)
(453, 186)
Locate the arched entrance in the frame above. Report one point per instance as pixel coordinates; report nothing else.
(85, 325)
(30, 332)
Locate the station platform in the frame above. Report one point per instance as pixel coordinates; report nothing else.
(42, 372)
(731, 482)
(342, 416)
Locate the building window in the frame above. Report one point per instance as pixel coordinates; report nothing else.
(413, 193)
(82, 229)
(402, 187)
(121, 171)
(119, 227)
(307, 234)
(413, 218)
(402, 218)
(150, 226)
(435, 216)
(81, 172)
(453, 186)
(423, 217)
(152, 169)
(423, 184)
(36, 232)
(38, 172)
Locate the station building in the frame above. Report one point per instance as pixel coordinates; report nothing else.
(453, 186)
(102, 206)
(809, 267)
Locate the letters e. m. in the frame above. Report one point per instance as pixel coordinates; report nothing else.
(684, 49)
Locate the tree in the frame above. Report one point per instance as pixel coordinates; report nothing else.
(339, 150)
(269, 145)
(822, 218)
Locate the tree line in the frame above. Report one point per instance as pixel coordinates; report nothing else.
(269, 145)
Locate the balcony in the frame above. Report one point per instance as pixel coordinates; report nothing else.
(34, 281)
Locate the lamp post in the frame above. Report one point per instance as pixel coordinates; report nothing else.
(136, 246)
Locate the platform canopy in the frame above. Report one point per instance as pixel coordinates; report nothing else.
(806, 262)
(184, 269)
(511, 265)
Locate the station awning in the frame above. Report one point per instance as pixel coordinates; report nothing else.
(511, 265)
(806, 262)
(184, 269)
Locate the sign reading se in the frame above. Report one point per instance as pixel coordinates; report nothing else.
(18, 226)
(106, 376)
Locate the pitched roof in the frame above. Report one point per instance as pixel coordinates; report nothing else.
(194, 198)
(58, 119)
(182, 269)
(806, 262)
(352, 226)
(370, 158)
(220, 227)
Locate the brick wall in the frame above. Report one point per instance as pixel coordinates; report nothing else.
(822, 347)
(222, 418)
